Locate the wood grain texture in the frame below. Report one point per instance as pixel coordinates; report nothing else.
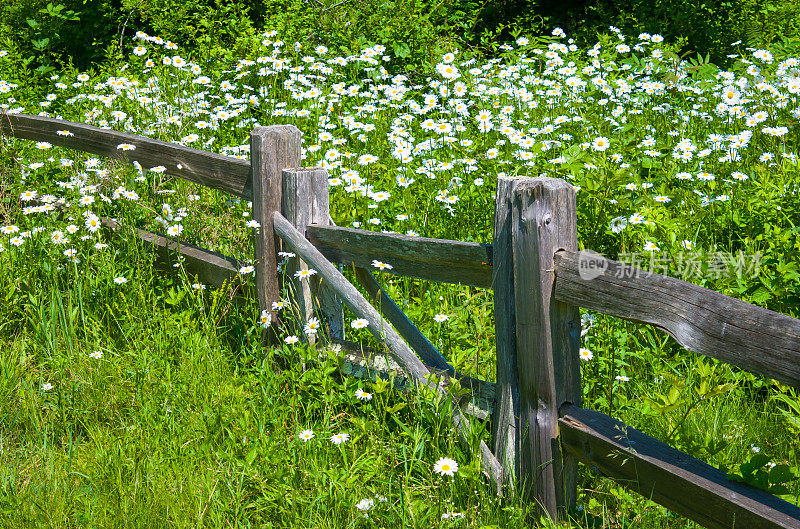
(210, 268)
(382, 331)
(272, 149)
(506, 436)
(699, 319)
(432, 259)
(544, 220)
(209, 169)
(365, 363)
(424, 348)
(297, 204)
(305, 201)
(669, 477)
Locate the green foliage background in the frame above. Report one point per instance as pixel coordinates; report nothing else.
(85, 33)
(704, 27)
(188, 422)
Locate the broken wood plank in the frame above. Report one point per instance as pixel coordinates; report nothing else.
(216, 270)
(383, 332)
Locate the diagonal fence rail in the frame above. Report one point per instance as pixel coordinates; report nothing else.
(539, 431)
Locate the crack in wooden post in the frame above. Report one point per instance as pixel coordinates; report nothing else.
(272, 149)
(537, 338)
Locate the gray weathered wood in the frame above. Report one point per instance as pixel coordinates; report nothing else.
(441, 260)
(669, 477)
(543, 220)
(365, 363)
(305, 201)
(209, 169)
(424, 348)
(491, 467)
(351, 297)
(699, 319)
(384, 332)
(210, 268)
(299, 203)
(505, 434)
(272, 149)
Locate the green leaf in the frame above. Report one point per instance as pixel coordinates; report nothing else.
(651, 163)
(779, 489)
(794, 420)
(760, 480)
(756, 462)
(401, 49)
(781, 474)
(397, 407)
(673, 395)
(761, 295)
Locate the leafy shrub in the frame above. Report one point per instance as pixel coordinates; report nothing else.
(47, 34)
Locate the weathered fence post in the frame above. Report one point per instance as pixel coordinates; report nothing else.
(272, 149)
(537, 338)
(305, 201)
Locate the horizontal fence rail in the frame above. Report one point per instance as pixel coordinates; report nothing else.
(210, 268)
(539, 430)
(416, 370)
(202, 167)
(701, 320)
(669, 477)
(440, 260)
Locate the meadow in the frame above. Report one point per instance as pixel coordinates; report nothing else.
(134, 398)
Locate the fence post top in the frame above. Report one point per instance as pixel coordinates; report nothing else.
(540, 180)
(270, 130)
(538, 184)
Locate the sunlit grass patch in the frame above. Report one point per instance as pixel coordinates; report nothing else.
(184, 419)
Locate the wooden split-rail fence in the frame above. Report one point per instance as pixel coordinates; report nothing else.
(539, 431)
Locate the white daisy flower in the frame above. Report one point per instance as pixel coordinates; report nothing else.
(445, 467)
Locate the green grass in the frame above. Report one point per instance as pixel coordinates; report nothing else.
(187, 421)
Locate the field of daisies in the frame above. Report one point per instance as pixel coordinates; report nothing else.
(134, 397)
